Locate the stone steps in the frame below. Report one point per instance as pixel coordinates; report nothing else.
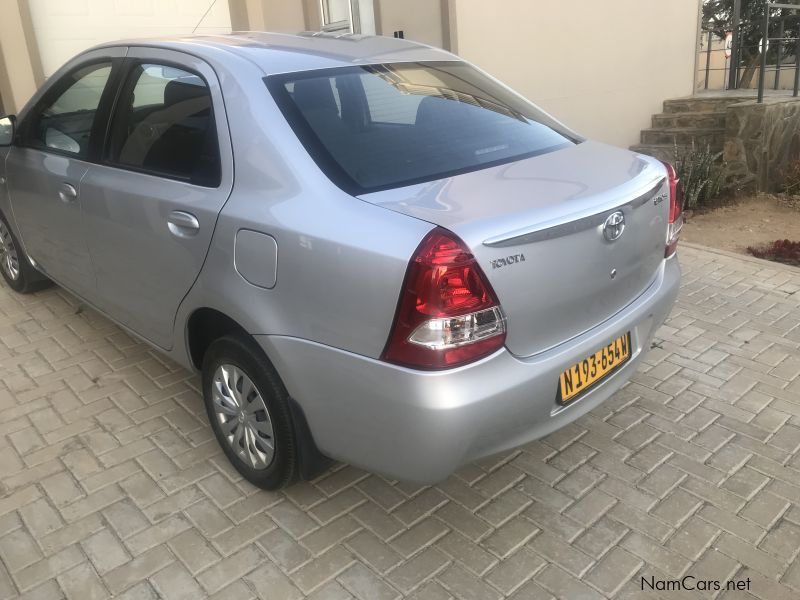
(696, 105)
(704, 120)
(684, 136)
(685, 122)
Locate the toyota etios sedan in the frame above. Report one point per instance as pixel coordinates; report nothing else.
(373, 251)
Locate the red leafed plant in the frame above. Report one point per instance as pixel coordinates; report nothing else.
(783, 251)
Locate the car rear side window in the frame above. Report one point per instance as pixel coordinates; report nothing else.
(164, 125)
(63, 122)
(377, 127)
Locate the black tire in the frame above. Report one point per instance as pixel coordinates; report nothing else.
(27, 279)
(243, 353)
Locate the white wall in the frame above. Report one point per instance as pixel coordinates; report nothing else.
(602, 67)
(420, 20)
(65, 27)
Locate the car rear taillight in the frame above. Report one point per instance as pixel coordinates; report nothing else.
(675, 211)
(448, 314)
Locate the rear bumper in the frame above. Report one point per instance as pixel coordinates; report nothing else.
(421, 426)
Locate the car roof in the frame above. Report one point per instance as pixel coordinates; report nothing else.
(283, 53)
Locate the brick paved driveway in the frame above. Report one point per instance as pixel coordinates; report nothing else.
(112, 485)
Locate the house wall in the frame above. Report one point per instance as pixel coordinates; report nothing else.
(285, 16)
(420, 20)
(603, 68)
(20, 66)
(67, 27)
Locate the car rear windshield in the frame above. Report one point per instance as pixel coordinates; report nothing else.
(376, 127)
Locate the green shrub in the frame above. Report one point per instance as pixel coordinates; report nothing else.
(701, 172)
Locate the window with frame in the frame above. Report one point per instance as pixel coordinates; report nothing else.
(65, 119)
(164, 125)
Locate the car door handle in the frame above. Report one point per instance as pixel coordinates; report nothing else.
(183, 224)
(67, 193)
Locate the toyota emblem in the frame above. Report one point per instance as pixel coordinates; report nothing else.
(614, 226)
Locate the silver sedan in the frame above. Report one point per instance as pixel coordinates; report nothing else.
(373, 251)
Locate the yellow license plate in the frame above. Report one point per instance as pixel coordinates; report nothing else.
(590, 371)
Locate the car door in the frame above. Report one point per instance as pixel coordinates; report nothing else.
(151, 205)
(58, 137)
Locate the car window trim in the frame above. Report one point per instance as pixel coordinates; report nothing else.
(126, 86)
(56, 89)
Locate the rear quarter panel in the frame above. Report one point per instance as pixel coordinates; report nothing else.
(341, 261)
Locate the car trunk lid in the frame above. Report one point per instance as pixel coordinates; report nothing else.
(536, 227)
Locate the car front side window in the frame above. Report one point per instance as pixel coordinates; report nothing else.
(164, 125)
(64, 120)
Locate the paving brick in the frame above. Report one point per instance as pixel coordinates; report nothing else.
(604, 534)
(420, 506)
(465, 585)
(462, 520)
(648, 550)
(136, 570)
(510, 536)
(513, 572)
(783, 540)
(48, 568)
(419, 536)
(676, 508)
(338, 505)
(730, 523)
(745, 482)
(175, 583)
(639, 521)
(693, 467)
(467, 553)
(564, 585)
(365, 585)
(693, 538)
(105, 551)
(82, 583)
(591, 507)
(614, 570)
(748, 555)
(289, 554)
(157, 534)
(40, 518)
(18, 549)
(418, 569)
(764, 509)
(559, 552)
(322, 568)
(547, 518)
(327, 536)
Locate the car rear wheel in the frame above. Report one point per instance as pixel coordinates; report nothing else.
(248, 408)
(17, 270)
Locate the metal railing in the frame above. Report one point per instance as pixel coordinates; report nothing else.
(712, 65)
(775, 52)
(781, 41)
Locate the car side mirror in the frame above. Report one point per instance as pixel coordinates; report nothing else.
(7, 130)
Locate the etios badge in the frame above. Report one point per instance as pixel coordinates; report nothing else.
(614, 226)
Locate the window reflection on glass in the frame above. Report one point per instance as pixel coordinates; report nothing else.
(65, 122)
(166, 126)
(382, 126)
